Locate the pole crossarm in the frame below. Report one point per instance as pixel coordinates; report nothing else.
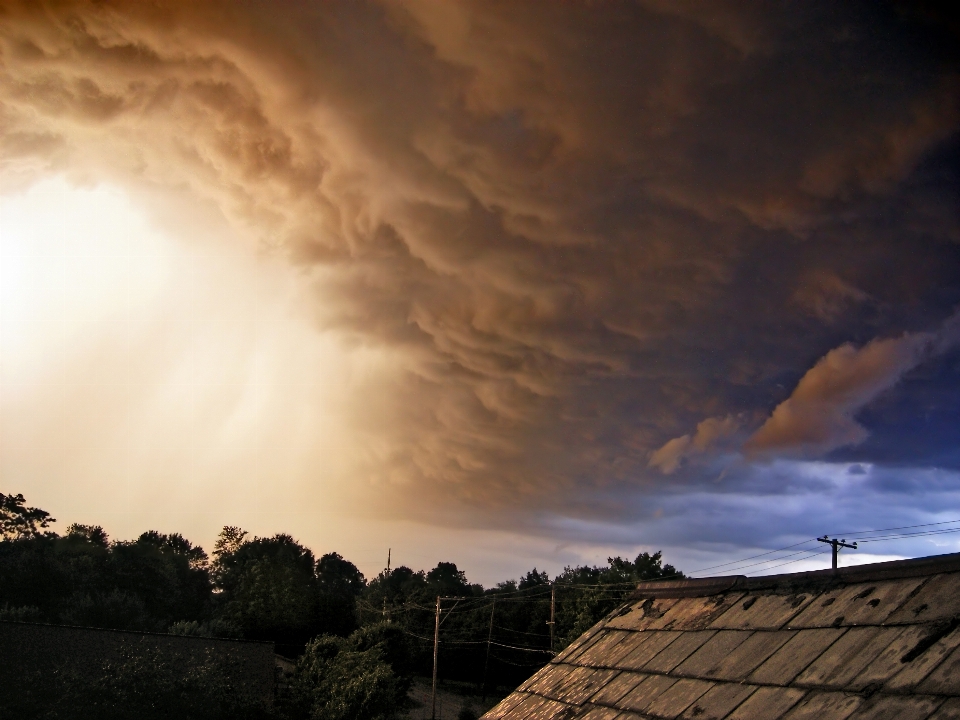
(835, 546)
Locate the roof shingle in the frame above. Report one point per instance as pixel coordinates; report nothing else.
(876, 641)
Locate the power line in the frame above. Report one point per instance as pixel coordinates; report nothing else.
(764, 562)
(903, 527)
(902, 536)
(790, 562)
(753, 557)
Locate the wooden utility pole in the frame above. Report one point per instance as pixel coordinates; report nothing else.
(553, 609)
(486, 663)
(436, 644)
(385, 618)
(836, 545)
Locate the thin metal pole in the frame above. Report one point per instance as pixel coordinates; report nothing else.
(486, 664)
(436, 643)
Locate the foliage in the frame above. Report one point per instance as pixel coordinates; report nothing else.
(268, 587)
(18, 521)
(84, 579)
(93, 534)
(215, 628)
(394, 645)
(140, 683)
(597, 591)
(339, 584)
(334, 681)
(274, 589)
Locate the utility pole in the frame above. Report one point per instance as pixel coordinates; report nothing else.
(436, 643)
(385, 617)
(553, 609)
(486, 664)
(836, 545)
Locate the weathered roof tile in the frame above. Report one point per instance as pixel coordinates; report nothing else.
(820, 705)
(505, 706)
(749, 654)
(767, 703)
(950, 710)
(619, 686)
(794, 656)
(844, 660)
(762, 612)
(939, 598)
(581, 644)
(546, 675)
(894, 707)
(860, 604)
(945, 678)
(645, 652)
(598, 653)
(872, 642)
(678, 697)
(709, 656)
(645, 693)
(888, 662)
(643, 614)
(579, 690)
(595, 712)
(627, 645)
(682, 647)
(918, 665)
(718, 701)
(688, 614)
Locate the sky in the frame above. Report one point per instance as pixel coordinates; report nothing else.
(504, 284)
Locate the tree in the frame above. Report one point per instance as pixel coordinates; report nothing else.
(395, 647)
(93, 534)
(340, 583)
(446, 579)
(598, 590)
(18, 521)
(333, 681)
(268, 587)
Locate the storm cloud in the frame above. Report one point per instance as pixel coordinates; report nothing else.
(603, 248)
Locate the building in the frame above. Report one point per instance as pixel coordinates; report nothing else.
(874, 641)
(32, 654)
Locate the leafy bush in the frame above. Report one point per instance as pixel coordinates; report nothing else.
(212, 628)
(332, 681)
(395, 647)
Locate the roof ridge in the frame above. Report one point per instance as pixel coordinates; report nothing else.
(789, 582)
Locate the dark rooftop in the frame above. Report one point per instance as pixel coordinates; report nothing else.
(872, 641)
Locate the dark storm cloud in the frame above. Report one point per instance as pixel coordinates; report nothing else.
(608, 243)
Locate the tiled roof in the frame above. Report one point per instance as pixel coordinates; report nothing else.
(874, 641)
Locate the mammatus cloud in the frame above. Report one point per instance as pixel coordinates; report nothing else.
(568, 233)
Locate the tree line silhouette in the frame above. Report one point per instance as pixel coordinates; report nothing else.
(316, 609)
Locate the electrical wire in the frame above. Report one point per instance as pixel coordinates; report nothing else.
(902, 536)
(790, 562)
(903, 527)
(752, 557)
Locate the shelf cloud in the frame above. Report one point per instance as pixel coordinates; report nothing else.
(597, 249)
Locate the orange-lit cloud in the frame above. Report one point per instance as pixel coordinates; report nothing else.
(536, 245)
(819, 414)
